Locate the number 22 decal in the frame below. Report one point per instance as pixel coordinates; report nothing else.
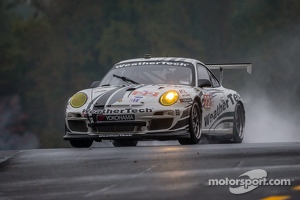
(206, 101)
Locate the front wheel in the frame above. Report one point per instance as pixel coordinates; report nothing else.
(81, 143)
(195, 124)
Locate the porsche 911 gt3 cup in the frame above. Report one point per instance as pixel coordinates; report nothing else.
(156, 99)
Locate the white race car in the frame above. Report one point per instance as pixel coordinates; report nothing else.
(156, 99)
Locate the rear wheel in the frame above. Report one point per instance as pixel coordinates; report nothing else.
(238, 127)
(195, 124)
(238, 124)
(81, 143)
(124, 143)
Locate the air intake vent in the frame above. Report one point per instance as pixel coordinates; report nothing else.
(157, 124)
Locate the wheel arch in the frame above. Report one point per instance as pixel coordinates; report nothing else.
(243, 106)
(195, 123)
(198, 100)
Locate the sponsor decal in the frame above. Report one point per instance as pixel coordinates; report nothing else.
(185, 100)
(231, 98)
(136, 99)
(115, 117)
(174, 63)
(145, 93)
(184, 93)
(234, 98)
(207, 101)
(116, 111)
(115, 135)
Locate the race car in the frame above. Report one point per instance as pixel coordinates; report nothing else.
(162, 98)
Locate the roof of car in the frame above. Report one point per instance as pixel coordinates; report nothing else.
(190, 60)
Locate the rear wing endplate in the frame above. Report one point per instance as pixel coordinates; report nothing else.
(221, 67)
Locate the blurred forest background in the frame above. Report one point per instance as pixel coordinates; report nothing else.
(49, 49)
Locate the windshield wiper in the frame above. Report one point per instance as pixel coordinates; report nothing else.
(126, 79)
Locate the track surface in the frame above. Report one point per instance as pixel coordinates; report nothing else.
(147, 172)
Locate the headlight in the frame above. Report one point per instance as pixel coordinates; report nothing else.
(78, 100)
(169, 98)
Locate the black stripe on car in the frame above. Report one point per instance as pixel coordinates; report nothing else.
(223, 121)
(181, 123)
(103, 99)
(118, 95)
(185, 113)
(227, 114)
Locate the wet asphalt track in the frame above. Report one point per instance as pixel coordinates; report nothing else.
(147, 172)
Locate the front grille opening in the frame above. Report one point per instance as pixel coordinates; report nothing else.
(76, 115)
(159, 113)
(118, 128)
(185, 113)
(157, 124)
(169, 112)
(77, 126)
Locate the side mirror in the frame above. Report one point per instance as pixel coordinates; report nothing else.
(95, 84)
(204, 83)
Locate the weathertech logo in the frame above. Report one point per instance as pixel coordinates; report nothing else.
(257, 177)
(174, 63)
(116, 111)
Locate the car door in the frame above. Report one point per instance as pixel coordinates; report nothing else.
(212, 99)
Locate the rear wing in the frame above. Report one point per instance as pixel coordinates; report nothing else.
(221, 67)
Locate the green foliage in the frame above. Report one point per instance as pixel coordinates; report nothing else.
(51, 49)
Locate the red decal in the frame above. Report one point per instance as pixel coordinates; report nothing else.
(183, 93)
(101, 117)
(145, 93)
(207, 103)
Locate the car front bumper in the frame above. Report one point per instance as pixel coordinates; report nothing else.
(170, 135)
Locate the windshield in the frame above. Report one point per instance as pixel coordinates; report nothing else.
(157, 72)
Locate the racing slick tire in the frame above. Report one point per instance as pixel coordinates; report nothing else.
(81, 143)
(238, 124)
(124, 143)
(195, 125)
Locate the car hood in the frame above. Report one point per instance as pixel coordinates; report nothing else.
(134, 94)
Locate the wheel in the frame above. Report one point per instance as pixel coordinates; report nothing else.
(238, 124)
(124, 143)
(195, 124)
(81, 143)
